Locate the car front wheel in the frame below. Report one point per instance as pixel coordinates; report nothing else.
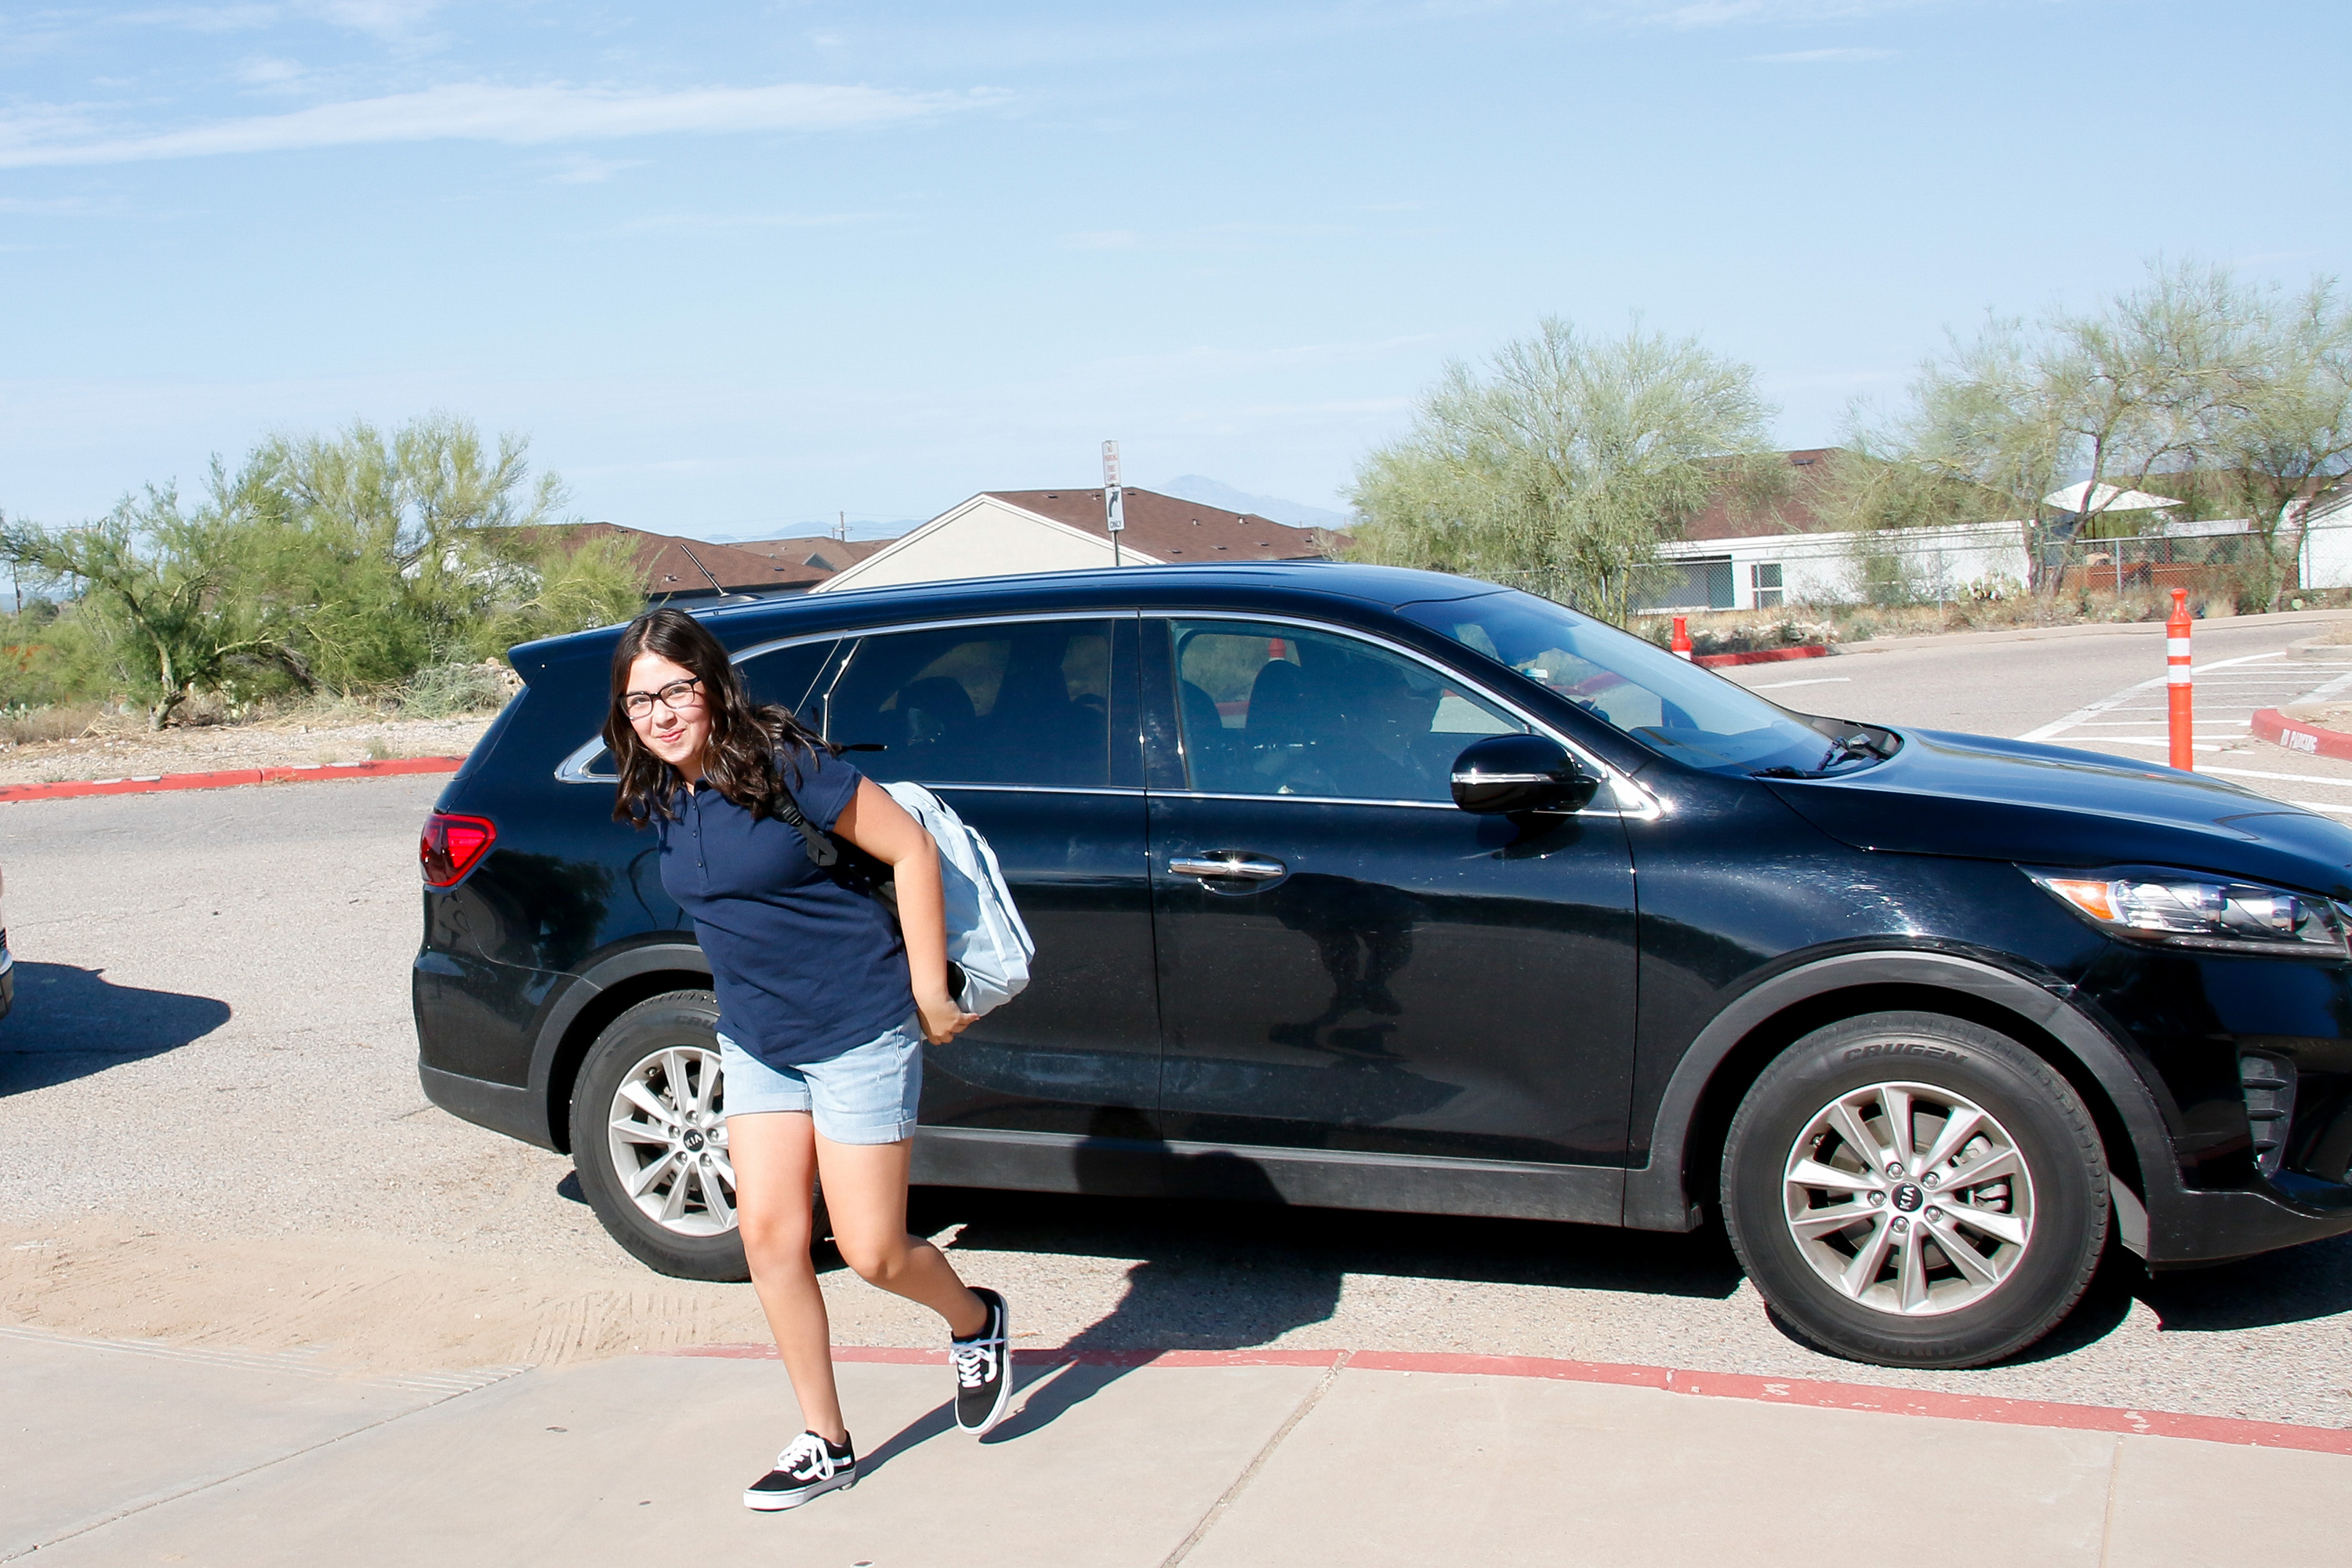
(1914, 1190)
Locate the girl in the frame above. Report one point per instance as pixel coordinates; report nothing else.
(824, 1003)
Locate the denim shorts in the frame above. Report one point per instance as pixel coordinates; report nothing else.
(867, 1094)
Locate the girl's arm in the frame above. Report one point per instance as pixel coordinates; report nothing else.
(880, 826)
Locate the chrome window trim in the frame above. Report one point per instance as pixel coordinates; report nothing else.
(1039, 789)
(573, 769)
(1621, 786)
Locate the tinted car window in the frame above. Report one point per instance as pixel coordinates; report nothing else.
(1635, 686)
(1025, 703)
(1274, 710)
(784, 675)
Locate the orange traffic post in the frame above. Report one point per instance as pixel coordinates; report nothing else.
(2178, 690)
(1682, 636)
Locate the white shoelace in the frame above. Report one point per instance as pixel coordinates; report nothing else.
(974, 1364)
(808, 1457)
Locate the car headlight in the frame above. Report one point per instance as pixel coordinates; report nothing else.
(2180, 909)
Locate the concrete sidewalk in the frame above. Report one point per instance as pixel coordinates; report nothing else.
(115, 1454)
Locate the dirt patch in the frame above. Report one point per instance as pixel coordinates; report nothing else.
(289, 742)
(370, 1304)
(375, 1304)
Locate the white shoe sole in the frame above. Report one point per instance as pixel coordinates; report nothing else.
(777, 1502)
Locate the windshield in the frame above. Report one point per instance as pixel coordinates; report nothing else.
(1690, 715)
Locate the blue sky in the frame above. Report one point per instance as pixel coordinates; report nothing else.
(732, 266)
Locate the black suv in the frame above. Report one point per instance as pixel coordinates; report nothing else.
(1375, 889)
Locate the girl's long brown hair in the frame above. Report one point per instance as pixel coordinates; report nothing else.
(746, 742)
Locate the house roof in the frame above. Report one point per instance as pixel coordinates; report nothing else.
(668, 562)
(821, 550)
(1724, 518)
(1171, 529)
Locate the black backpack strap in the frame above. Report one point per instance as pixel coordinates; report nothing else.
(821, 852)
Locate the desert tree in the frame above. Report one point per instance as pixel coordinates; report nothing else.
(1565, 460)
(177, 594)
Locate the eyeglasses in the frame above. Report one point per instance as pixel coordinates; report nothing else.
(678, 697)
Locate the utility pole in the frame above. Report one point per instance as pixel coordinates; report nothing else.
(1114, 507)
(841, 528)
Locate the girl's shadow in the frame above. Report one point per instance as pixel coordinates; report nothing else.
(1168, 1304)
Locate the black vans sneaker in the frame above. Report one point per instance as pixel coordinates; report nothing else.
(983, 1369)
(809, 1467)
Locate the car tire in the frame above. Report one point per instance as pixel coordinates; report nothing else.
(673, 1037)
(1982, 1242)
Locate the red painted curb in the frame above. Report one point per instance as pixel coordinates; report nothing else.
(1866, 1397)
(229, 779)
(1763, 655)
(2275, 727)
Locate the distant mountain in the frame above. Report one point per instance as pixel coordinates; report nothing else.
(822, 530)
(1213, 493)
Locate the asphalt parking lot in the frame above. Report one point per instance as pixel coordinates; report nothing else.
(212, 1136)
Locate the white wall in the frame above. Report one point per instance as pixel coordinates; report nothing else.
(1818, 568)
(981, 538)
(2327, 546)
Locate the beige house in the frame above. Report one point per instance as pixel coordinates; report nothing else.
(999, 532)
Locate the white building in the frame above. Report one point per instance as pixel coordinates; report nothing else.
(998, 533)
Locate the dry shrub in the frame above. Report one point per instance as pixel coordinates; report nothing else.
(53, 721)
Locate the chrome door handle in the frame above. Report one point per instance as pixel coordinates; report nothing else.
(1249, 868)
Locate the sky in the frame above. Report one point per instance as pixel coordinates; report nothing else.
(739, 267)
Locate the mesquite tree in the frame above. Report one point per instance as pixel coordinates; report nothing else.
(1564, 459)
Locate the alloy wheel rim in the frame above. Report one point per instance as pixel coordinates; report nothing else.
(1908, 1199)
(666, 1130)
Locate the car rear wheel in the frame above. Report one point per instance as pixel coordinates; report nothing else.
(649, 1139)
(1914, 1190)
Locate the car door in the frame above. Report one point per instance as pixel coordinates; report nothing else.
(1347, 961)
(1011, 722)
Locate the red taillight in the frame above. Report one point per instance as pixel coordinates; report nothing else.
(451, 845)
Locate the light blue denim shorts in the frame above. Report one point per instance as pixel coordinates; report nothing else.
(867, 1094)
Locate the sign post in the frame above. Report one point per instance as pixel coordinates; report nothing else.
(1114, 502)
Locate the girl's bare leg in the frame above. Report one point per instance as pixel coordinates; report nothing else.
(775, 1156)
(866, 1198)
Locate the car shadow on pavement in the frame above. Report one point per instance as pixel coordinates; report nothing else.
(69, 1023)
(2295, 1286)
(1236, 1274)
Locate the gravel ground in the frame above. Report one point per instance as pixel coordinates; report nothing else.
(137, 754)
(211, 1133)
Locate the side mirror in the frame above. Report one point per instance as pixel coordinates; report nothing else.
(1503, 776)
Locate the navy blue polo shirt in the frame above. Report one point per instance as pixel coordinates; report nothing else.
(805, 967)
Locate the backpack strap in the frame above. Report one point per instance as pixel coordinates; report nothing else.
(821, 852)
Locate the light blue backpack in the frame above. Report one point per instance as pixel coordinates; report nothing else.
(986, 939)
(989, 949)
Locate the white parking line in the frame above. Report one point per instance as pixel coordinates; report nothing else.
(2083, 715)
(1782, 685)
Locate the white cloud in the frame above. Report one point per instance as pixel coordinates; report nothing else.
(482, 111)
(712, 221)
(1104, 239)
(580, 169)
(263, 71)
(1823, 56)
(1688, 14)
(389, 19)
